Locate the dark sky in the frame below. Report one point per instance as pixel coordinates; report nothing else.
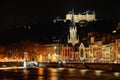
(14, 15)
(33, 11)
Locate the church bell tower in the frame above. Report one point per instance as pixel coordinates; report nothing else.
(73, 38)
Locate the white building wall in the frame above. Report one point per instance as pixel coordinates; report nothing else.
(79, 17)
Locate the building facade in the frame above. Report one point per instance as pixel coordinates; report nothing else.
(87, 16)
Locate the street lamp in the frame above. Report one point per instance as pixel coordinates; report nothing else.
(114, 31)
(55, 48)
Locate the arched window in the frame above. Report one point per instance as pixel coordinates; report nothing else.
(81, 50)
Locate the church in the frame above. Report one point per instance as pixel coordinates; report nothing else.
(74, 50)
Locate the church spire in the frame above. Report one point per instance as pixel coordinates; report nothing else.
(73, 21)
(73, 32)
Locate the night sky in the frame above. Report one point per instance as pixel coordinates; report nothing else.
(18, 13)
(33, 11)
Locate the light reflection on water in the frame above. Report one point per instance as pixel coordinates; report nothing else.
(98, 72)
(57, 74)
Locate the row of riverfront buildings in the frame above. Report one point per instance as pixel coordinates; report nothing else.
(90, 49)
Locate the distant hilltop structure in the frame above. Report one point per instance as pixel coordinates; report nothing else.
(81, 16)
(88, 16)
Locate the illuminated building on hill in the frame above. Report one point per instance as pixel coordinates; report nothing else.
(87, 16)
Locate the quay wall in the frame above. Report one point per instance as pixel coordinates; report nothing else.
(104, 66)
(95, 66)
(11, 64)
(77, 65)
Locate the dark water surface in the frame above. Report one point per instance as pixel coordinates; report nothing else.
(57, 74)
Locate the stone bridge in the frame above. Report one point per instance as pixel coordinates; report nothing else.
(30, 64)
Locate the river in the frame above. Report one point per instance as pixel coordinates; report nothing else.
(57, 74)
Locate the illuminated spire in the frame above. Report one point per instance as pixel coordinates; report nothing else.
(73, 21)
(72, 38)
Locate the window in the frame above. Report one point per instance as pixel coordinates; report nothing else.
(81, 52)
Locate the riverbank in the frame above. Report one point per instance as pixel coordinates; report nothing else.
(94, 66)
(77, 65)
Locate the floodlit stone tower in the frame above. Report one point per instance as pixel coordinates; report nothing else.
(72, 38)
